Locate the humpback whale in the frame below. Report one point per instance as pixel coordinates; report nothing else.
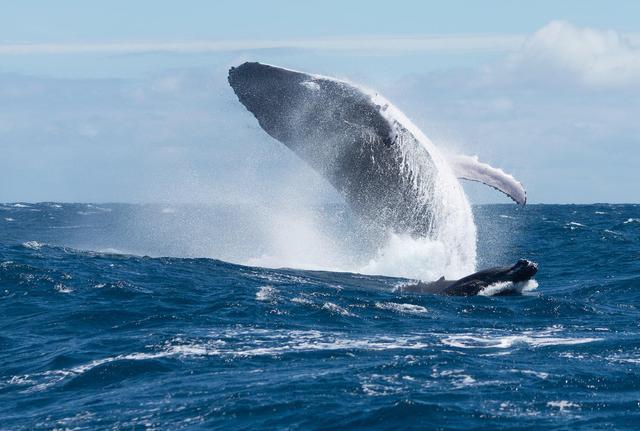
(472, 284)
(386, 169)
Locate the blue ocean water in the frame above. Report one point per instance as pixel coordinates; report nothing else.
(94, 338)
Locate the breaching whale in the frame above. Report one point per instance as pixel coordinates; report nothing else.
(382, 164)
(470, 285)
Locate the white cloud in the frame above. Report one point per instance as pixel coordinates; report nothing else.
(563, 52)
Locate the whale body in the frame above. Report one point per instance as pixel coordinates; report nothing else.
(388, 172)
(473, 284)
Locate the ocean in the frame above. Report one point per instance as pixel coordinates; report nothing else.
(119, 316)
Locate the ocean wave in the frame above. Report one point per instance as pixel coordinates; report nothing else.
(33, 245)
(118, 329)
(539, 374)
(401, 307)
(61, 288)
(301, 300)
(240, 343)
(574, 225)
(248, 343)
(336, 309)
(562, 405)
(544, 338)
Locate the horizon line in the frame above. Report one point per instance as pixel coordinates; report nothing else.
(453, 42)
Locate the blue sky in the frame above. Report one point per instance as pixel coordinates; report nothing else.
(128, 101)
(117, 20)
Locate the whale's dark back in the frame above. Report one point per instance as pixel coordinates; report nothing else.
(470, 285)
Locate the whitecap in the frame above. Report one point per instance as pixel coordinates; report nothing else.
(562, 405)
(62, 288)
(624, 359)
(335, 308)
(33, 245)
(380, 385)
(539, 374)
(500, 341)
(301, 300)
(401, 308)
(266, 293)
(74, 420)
(574, 225)
(20, 380)
(463, 381)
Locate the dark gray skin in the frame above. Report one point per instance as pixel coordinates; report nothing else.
(472, 284)
(342, 134)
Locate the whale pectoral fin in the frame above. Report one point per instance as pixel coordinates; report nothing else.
(470, 168)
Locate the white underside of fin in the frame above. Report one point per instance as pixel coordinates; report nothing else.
(470, 168)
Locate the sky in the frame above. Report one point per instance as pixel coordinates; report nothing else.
(128, 101)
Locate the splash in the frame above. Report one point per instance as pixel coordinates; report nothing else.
(300, 237)
(297, 234)
(404, 256)
(449, 248)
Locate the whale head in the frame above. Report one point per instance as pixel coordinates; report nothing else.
(300, 109)
(523, 270)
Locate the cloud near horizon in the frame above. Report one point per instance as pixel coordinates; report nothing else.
(556, 109)
(562, 51)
